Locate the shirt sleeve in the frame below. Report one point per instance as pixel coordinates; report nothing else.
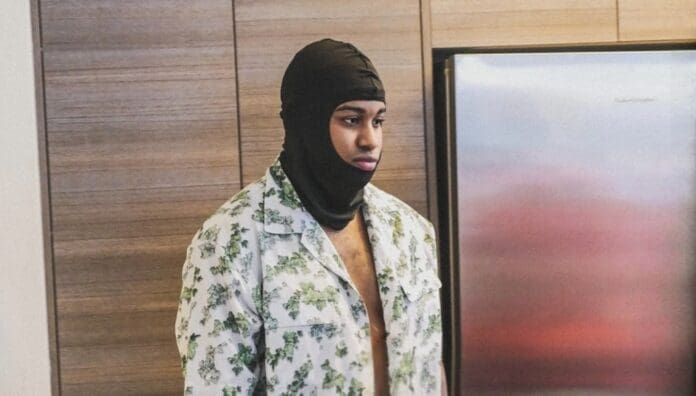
(218, 329)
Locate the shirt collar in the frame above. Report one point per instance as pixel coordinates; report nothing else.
(283, 210)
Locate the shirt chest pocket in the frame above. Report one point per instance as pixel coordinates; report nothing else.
(420, 284)
(418, 307)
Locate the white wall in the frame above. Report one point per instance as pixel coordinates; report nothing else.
(24, 353)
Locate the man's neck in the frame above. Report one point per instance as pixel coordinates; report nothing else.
(353, 226)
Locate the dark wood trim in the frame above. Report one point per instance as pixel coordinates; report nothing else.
(428, 115)
(233, 3)
(45, 190)
(618, 25)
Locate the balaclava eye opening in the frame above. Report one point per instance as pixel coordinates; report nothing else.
(320, 77)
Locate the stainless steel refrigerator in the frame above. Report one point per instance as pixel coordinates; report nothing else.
(569, 237)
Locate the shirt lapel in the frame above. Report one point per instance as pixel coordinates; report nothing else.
(385, 252)
(285, 214)
(315, 240)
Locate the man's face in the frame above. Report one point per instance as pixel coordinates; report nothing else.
(356, 132)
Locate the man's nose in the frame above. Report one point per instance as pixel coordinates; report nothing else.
(367, 139)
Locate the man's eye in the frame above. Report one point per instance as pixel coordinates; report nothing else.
(378, 122)
(351, 120)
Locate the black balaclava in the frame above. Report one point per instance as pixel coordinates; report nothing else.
(320, 77)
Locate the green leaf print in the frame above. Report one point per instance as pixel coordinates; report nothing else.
(287, 194)
(430, 241)
(299, 380)
(434, 325)
(291, 340)
(206, 368)
(236, 243)
(239, 202)
(261, 298)
(217, 295)
(427, 378)
(341, 349)
(187, 293)
(358, 310)
(309, 295)
(271, 192)
(208, 237)
(190, 350)
(230, 390)
(406, 370)
(397, 226)
(257, 216)
(222, 267)
(273, 216)
(244, 358)
(398, 306)
(238, 324)
(319, 331)
(384, 278)
(293, 264)
(197, 277)
(361, 360)
(242, 198)
(245, 266)
(402, 265)
(412, 245)
(293, 305)
(332, 378)
(356, 388)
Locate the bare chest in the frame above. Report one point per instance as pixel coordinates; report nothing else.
(353, 246)
(355, 251)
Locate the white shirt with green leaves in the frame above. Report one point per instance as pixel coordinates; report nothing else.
(267, 306)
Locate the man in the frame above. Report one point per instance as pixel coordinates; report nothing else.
(311, 280)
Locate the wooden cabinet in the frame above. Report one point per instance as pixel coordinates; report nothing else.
(646, 20)
(457, 23)
(142, 146)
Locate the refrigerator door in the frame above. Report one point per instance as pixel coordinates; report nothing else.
(575, 185)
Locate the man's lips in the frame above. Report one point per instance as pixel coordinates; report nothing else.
(365, 163)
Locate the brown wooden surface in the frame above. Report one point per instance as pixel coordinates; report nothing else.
(429, 114)
(457, 23)
(45, 197)
(142, 142)
(657, 20)
(270, 33)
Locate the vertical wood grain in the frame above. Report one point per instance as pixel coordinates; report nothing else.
(270, 33)
(45, 196)
(657, 20)
(457, 23)
(428, 112)
(142, 147)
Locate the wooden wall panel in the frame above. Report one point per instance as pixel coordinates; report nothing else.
(657, 20)
(270, 33)
(142, 147)
(463, 23)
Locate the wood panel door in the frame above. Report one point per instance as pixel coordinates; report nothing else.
(657, 20)
(142, 146)
(270, 33)
(457, 23)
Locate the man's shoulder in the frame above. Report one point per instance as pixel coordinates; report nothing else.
(242, 209)
(389, 204)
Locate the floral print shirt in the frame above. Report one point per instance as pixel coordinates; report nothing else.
(267, 306)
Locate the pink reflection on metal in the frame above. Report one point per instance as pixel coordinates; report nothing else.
(565, 285)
